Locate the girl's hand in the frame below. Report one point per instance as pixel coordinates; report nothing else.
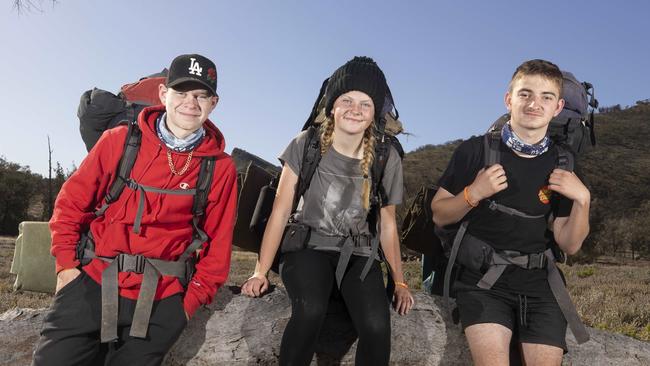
(402, 300)
(255, 286)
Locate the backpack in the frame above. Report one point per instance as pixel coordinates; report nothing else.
(573, 129)
(574, 126)
(125, 165)
(388, 127)
(569, 132)
(183, 268)
(100, 110)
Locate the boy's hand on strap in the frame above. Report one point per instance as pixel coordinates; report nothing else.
(569, 185)
(488, 181)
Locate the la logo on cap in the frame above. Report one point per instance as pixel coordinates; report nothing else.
(194, 68)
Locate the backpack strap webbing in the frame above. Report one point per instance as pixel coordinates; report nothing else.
(382, 151)
(593, 103)
(310, 158)
(565, 158)
(129, 154)
(492, 148)
(203, 184)
(452, 260)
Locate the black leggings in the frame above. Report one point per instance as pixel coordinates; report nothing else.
(308, 276)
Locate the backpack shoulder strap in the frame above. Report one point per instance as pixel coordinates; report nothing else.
(310, 158)
(491, 148)
(565, 158)
(129, 154)
(203, 184)
(382, 151)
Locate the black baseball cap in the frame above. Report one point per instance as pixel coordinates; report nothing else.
(193, 68)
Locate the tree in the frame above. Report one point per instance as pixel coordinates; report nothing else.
(17, 188)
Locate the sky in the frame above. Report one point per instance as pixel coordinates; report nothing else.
(448, 63)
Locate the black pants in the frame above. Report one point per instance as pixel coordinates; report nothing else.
(308, 276)
(70, 334)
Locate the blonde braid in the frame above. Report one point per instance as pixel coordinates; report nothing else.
(366, 163)
(326, 135)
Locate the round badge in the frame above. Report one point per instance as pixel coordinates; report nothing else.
(545, 195)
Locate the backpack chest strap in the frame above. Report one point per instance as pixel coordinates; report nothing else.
(131, 184)
(494, 206)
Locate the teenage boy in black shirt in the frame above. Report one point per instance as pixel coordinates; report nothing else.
(527, 180)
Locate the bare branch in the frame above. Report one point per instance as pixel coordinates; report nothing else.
(28, 6)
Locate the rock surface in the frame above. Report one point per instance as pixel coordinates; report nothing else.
(236, 330)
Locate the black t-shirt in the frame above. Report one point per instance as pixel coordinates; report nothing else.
(527, 192)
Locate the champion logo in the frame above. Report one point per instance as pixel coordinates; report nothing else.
(195, 68)
(184, 185)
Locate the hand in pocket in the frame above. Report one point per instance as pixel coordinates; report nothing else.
(65, 277)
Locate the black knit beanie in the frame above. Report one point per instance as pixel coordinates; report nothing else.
(361, 74)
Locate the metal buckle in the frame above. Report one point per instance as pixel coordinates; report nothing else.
(131, 263)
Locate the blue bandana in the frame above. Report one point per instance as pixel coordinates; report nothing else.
(173, 142)
(515, 143)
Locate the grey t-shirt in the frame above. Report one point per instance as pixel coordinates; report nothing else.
(332, 203)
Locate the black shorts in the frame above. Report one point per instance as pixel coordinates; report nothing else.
(533, 319)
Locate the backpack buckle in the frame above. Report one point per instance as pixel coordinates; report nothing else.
(536, 261)
(131, 263)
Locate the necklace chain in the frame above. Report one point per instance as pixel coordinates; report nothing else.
(171, 163)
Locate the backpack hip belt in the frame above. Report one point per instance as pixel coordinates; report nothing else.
(151, 268)
(347, 244)
(499, 260)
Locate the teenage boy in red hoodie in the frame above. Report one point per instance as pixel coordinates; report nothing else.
(131, 294)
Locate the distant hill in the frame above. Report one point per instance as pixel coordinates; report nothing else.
(616, 170)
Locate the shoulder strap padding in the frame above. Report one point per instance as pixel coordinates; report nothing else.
(310, 158)
(129, 154)
(203, 184)
(492, 148)
(565, 158)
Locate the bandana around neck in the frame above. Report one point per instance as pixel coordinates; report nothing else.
(173, 142)
(513, 141)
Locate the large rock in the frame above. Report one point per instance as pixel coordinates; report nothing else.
(236, 330)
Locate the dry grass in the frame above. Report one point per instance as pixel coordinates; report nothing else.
(610, 297)
(613, 297)
(8, 298)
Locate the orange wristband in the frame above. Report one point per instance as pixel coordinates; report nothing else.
(401, 284)
(466, 196)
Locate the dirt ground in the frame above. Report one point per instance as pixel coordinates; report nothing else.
(610, 294)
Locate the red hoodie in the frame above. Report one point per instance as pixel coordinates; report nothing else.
(166, 222)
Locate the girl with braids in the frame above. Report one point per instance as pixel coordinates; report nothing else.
(341, 252)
